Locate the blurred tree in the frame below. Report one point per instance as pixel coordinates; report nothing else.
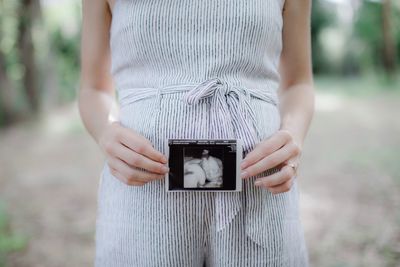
(376, 27)
(389, 44)
(8, 110)
(19, 70)
(28, 73)
(320, 19)
(67, 49)
(8, 113)
(29, 11)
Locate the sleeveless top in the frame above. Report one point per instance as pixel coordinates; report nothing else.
(156, 43)
(231, 45)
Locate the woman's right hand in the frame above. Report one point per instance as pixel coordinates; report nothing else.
(127, 151)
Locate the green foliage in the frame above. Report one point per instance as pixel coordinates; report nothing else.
(55, 33)
(67, 53)
(63, 23)
(8, 47)
(320, 19)
(362, 49)
(9, 241)
(368, 29)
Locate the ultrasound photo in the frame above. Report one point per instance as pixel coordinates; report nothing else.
(204, 165)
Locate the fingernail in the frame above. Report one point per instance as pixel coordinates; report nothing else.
(244, 174)
(165, 169)
(243, 164)
(165, 159)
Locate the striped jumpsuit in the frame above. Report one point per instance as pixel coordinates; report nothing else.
(197, 69)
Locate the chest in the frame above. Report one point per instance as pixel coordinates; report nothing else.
(187, 20)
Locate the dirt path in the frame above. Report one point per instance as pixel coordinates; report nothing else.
(351, 182)
(350, 185)
(49, 182)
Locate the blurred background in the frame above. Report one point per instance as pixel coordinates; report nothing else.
(350, 172)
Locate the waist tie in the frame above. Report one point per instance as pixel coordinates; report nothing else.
(230, 107)
(232, 117)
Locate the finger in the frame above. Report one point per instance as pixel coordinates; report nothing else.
(123, 179)
(133, 174)
(263, 149)
(276, 179)
(295, 162)
(137, 160)
(141, 145)
(272, 160)
(285, 187)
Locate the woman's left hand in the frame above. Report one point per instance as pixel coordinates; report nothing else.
(280, 149)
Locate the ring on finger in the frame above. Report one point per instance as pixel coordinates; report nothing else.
(293, 165)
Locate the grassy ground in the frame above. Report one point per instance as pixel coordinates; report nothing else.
(9, 240)
(349, 181)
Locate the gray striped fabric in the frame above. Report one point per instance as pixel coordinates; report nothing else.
(197, 69)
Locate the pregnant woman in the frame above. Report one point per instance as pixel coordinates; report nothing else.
(198, 69)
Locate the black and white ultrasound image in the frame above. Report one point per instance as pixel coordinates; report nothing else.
(202, 165)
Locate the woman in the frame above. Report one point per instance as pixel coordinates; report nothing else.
(197, 69)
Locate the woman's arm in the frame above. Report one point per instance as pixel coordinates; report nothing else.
(296, 95)
(124, 148)
(96, 95)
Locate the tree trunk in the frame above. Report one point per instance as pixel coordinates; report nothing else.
(27, 13)
(7, 96)
(389, 46)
